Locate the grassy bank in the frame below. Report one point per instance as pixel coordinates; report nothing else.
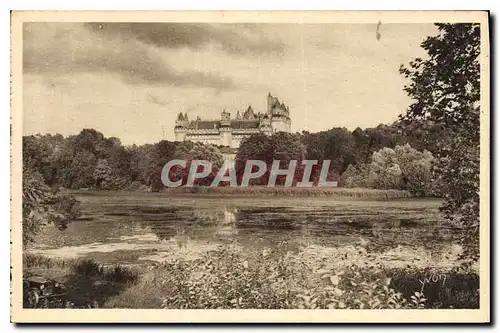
(263, 191)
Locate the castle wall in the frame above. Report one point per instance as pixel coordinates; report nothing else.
(180, 135)
(225, 137)
(212, 139)
(280, 125)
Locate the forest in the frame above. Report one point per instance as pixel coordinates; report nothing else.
(92, 161)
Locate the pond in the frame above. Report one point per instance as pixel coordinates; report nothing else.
(136, 227)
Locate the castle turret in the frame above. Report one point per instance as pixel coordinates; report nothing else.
(225, 129)
(181, 125)
(225, 119)
(271, 101)
(265, 124)
(280, 115)
(249, 114)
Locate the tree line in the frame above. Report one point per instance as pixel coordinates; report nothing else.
(91, 160)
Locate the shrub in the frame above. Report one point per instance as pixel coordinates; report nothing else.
(42, 206)
(87, 267)
(228, 279)
(121, 274)
(356, 176)
(401, 168)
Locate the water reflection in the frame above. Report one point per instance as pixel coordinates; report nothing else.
(183, 225)
(271, 225)
(253, 222)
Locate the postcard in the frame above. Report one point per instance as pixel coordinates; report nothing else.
(242, 167)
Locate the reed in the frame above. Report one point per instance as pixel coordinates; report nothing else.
(341, 193)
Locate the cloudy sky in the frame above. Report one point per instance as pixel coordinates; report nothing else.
(131, 80)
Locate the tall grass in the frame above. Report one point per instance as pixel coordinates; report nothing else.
(341, 193)
(40, 265)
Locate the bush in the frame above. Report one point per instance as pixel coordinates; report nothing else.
(87, 267)
(401, 168)
(356, 176)
(121, 274)
(275, 279)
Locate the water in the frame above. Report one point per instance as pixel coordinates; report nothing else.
(124, 227)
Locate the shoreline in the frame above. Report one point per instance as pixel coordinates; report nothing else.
(264, 191)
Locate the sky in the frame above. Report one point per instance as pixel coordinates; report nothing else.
(130, 80)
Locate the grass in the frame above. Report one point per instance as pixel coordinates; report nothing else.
(340, 193)
(87, 281)
(81, 267)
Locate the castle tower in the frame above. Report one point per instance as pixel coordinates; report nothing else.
(265, 125)
(271, 101)
(279, 114)
(181, 125)
(225, 129)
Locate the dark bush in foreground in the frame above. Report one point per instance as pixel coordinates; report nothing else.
(443, 290)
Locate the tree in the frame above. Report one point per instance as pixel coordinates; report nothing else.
(402, 168)
(42, 206)
(189, 151)
(445, 89)
(356, 176)
(102, 174)
(278, 146)
(141, 158)
(337, 145)
(385, 170)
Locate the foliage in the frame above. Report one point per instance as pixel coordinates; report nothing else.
(446, 90)
(276, 279)
(402, 168)
(337, 145)
(102, 174)
(356, 176)
(41, 206)
(278, 146)
(90, 160)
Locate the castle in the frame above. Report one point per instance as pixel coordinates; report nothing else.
(229, 132)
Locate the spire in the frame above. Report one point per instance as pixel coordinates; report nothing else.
(186, 116)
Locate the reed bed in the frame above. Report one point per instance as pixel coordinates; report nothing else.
(347, 193)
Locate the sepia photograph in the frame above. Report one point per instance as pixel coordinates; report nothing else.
(221, 166)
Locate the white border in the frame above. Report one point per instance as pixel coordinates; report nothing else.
(152, 5)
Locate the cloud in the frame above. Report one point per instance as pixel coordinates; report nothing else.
(239, 39)
(154, 99)
(63, 48)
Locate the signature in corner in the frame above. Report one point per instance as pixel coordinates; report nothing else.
(433, 278)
